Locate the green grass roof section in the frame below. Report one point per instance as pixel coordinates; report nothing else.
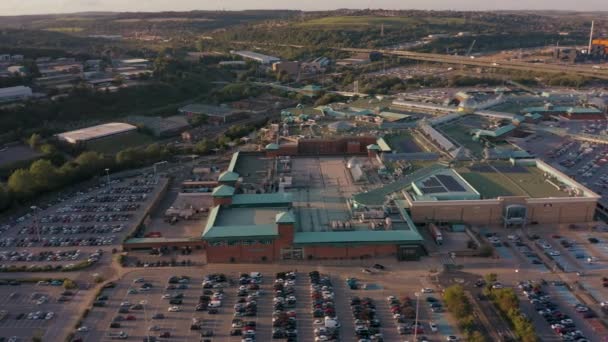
(276, 199)
(285, 217)
(223, 191)
(228, 176)
(376, 197)
(357, 237)
(233, 161)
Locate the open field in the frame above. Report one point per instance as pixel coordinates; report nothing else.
(115, 144)
(367, 21)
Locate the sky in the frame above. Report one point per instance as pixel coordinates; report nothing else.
(17, 7)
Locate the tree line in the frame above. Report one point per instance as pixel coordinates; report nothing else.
(43, 176)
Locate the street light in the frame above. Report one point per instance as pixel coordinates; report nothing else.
(108, 176)
(35, 208)
(417, 294)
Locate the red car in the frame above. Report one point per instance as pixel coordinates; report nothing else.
(131, 318)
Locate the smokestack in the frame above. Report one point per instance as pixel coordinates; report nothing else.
(590, 39)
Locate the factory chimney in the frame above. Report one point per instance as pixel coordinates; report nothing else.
(590, 39)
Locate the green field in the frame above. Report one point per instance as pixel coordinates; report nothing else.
(494, 184)
(355, 22)
(114, 144)
(460, 134)
(65, 29)
(490, 185)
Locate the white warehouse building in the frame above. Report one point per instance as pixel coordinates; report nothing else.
(15, 93)
(258, 57)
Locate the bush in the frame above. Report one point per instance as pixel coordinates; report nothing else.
(69, 284)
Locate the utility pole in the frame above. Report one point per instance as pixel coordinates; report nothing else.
(590, 38)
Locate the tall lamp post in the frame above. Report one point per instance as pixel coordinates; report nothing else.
(417, 294)
(108, 176)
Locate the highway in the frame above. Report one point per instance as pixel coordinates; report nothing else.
(487, 62)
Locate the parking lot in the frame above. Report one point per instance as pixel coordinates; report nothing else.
(74, 228)
(572, 250)
(260, 303)
(36, 310)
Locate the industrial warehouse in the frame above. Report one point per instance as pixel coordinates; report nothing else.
(323, 199)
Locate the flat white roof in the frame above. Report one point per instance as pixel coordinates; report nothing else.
(134, 61)
(15, 91)
(95, 132)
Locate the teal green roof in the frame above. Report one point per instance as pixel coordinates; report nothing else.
(359, 237)
(277, 199)
(223, 191)
(534, 116)
(212, 231)
(228, 176)
(563, 109)
(285, 217)
(376, 197)
(161, 240)
(272, 146)
(383, 145)
(496, 133)
(373, 147)
(241, 232)
(392, 116)
(233, 160)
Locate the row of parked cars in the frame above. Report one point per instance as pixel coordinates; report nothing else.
(98, 208)
(323, 307)
(72, 229)
(367, 325)
(561, 323)
(83, 218)
(284, 320)
(246, 306)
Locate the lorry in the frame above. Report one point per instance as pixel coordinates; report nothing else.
(436, 233)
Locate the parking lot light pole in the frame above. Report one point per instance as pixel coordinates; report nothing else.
(35, 208)
(417, 294)
(108, 176)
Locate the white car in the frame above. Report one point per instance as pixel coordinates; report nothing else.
(554, 253)
(318, 322)
(603, 303)
(427, 290)
(153, 328)
(433, 326)
(174, 309)
(82, 329)
(166, 296)
(451, 338)
(497, 285)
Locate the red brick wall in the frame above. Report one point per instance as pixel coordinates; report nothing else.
(328, 252)
(222, 200)
(253, 253)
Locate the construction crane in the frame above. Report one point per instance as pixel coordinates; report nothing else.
(471, 48)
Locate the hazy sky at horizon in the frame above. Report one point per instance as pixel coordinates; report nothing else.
(16, 7)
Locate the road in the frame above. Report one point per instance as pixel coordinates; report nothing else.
(491, 63)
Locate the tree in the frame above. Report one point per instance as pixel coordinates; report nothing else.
(34, 140)
(5, 199)
(69, 284)
(44, 175)
(200, 45)
(21, 184)
(204, 146)
(457, 302)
